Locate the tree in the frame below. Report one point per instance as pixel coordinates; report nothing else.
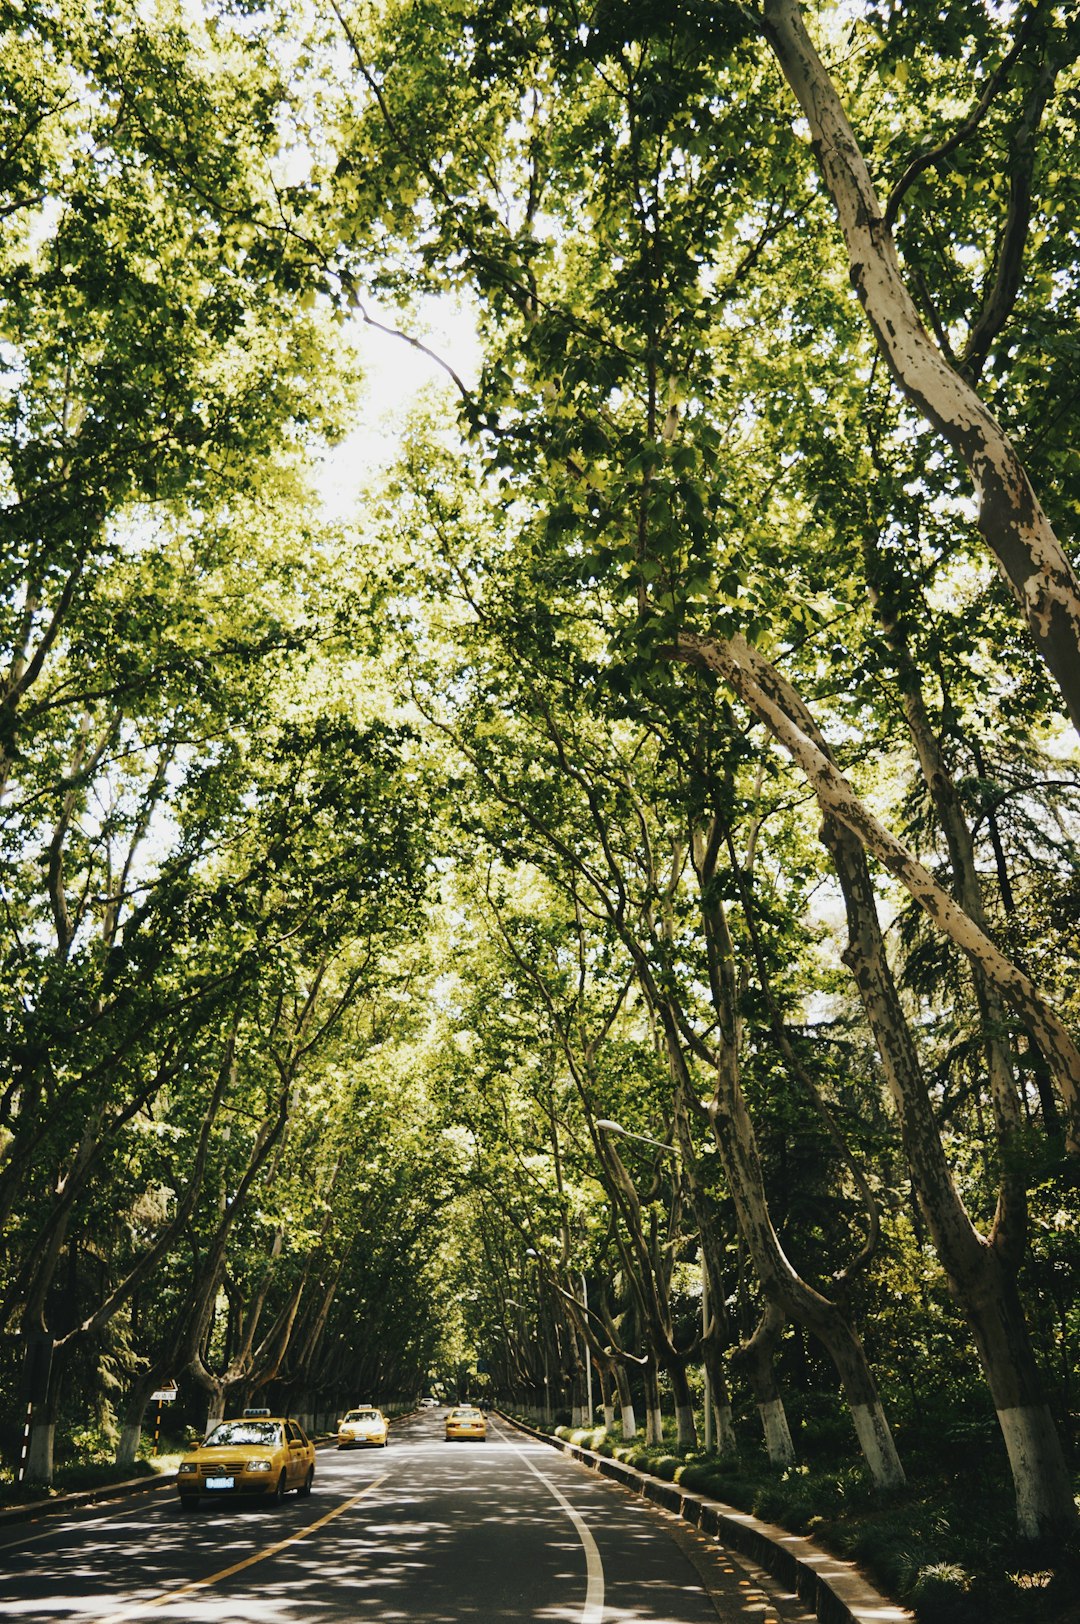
(606, 387)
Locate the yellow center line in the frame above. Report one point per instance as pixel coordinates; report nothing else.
(134, 1608)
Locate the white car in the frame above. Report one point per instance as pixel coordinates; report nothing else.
(365, 1425)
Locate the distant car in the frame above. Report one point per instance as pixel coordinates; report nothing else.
(264, 1457)
(363, 1426)
(465, 1422)
(429, 1404)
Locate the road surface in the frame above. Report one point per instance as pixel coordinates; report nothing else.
(422, 1532)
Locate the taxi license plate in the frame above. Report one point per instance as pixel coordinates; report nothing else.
(220, 1482)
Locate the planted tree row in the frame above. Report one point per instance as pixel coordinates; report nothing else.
(716, 647)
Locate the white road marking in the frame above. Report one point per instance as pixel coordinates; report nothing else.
(593, 1611)
(57, 1519)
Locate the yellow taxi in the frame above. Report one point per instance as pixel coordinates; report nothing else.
(366, 1425)
(466, 1421)
(261, 1455)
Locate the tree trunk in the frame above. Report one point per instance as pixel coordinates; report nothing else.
(39, 1458)
(736, 1141)
(757, 1356)
(715, 1326)
(785, 1288)
(1010, 1225)
(980, 1276)
(215, 1406)
(130, 1438)
(40, 1454)
(727, 1444)
(1013, 524)
(1045, 1507)
(134, 1410)
(686, 1428)
(627, 1418)
(773, 700)
(605, 1375)
(654, 1419)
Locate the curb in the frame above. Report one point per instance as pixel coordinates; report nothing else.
(30, 1510)
(836, 1590)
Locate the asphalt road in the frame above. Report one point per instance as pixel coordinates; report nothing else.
(424, 1531)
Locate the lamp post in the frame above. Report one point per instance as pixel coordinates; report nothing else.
(549, 1416)
(588, 1354)
(606, 1125)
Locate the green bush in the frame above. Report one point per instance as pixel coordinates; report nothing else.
(920, 1545)
(941, 1594)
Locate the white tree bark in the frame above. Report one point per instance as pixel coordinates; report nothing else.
(128, 1447)
(1038, 1471)
(875, 1440)
(777, 1433)
(727, 1444)
(1013, 524)
(686, 1426)
(39, 1456)
(776, 704)
(215, 1410)
(981, 1274)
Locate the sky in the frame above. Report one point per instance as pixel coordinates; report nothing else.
(395, 374)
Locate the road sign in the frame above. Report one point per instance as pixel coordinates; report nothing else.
(164, 1395)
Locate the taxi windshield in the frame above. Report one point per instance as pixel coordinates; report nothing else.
(362, 1415)
(244, 1432)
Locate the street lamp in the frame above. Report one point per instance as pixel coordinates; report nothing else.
(605, 1125)
(588, 1351)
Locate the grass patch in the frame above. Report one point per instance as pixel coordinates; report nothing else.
(71, 1476)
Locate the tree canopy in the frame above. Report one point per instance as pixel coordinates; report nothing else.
(606, 906)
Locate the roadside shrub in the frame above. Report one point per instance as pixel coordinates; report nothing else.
(719, 1482)
(87, 1446)
(941, 1594)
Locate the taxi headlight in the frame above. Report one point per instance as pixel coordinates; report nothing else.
(186, 1466)
(259, 1466)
